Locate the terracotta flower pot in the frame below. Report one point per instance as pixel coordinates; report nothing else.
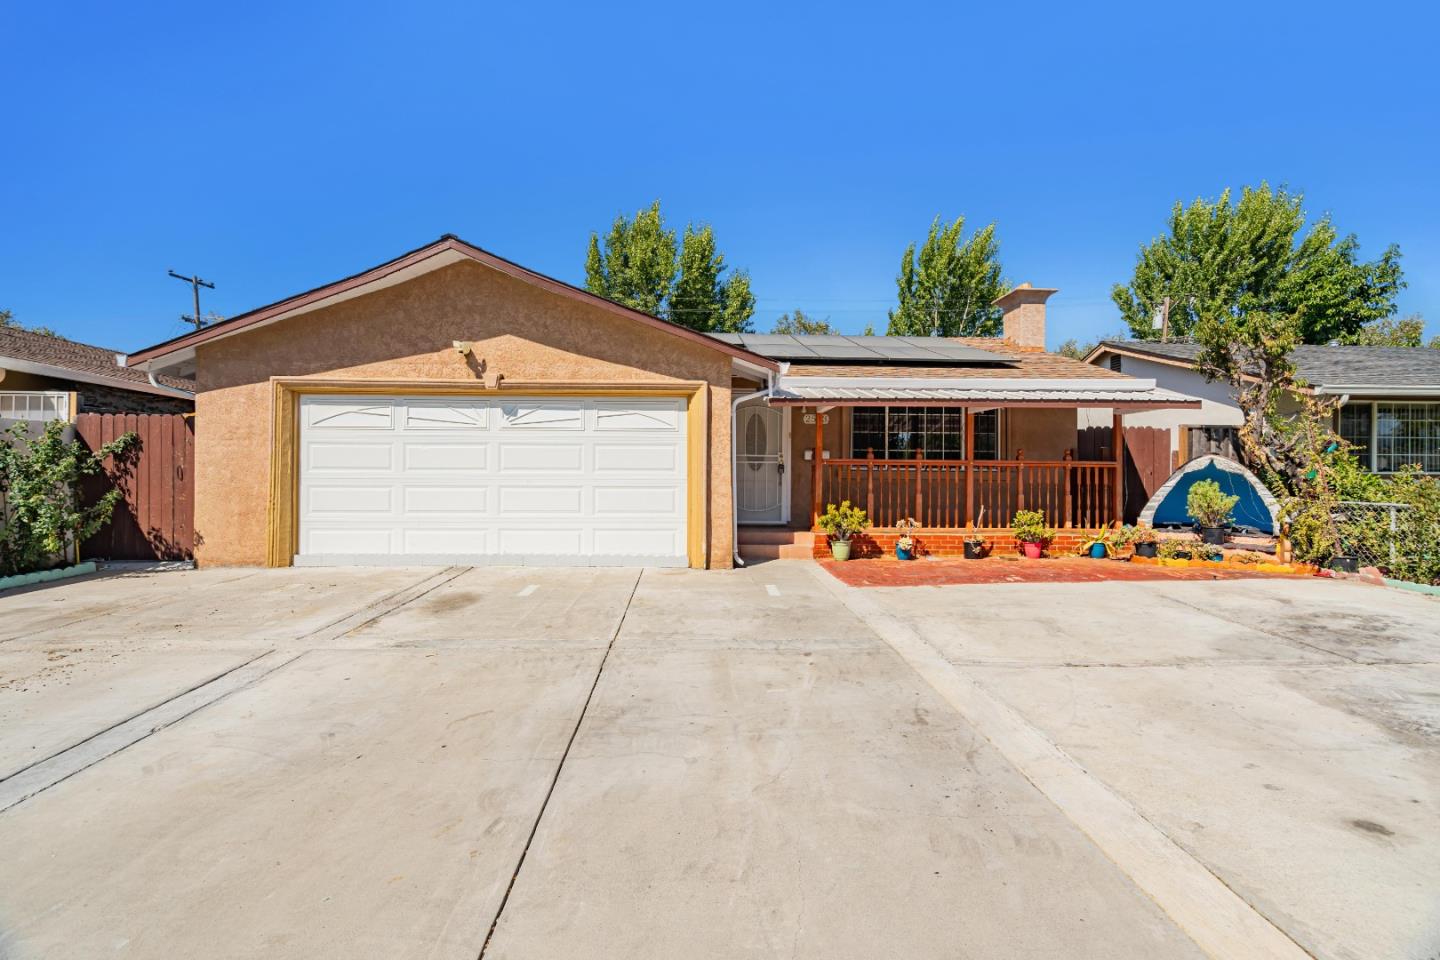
(1032, 550)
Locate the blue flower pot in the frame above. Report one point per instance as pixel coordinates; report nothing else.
(1097, 550)
(902, 554)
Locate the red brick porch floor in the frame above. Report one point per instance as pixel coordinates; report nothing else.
(936, 573)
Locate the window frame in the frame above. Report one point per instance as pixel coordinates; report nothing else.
(1372, 460)
(884, 450)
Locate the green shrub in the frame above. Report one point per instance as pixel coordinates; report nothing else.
(844, 521)
(1208, 505)
(41, 509)
(1029, 527)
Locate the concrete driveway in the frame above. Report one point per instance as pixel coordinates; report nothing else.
(517, 763)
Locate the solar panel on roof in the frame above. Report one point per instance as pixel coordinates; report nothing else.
(873, 349)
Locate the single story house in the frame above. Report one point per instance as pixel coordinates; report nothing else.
(452, 406)
(45, 377)
(1389, 398)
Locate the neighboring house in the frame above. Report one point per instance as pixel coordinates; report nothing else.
(452, 406)
(1389, 398)
(45, 377)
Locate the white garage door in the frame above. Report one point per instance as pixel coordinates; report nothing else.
(500, 480)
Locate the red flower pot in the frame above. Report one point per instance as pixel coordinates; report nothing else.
(1031, 550)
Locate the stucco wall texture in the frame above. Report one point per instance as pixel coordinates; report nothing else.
(406, 332)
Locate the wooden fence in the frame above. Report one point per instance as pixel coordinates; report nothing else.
(1147, 461)
(155, 519)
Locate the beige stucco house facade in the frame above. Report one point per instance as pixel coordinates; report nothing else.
(450, 406)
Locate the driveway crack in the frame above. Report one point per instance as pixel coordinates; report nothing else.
(564, 755)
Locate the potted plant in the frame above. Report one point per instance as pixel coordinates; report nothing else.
(1145, 540)
(1173, 549)
(905, 546)
(1098, 546)
(1030, 532)
(977, 546)
(1210, 508)
(842, 523)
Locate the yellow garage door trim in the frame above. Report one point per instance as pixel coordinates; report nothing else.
(284, 508)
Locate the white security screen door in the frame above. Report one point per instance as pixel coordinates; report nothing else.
(559, 480)
(760, 464)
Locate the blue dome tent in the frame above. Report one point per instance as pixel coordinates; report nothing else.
(1257, 510)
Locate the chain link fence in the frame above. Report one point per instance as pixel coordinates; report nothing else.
(1398, 539)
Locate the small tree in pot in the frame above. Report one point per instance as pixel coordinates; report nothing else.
(842, 523)
(1210, 508)
(1031, 533)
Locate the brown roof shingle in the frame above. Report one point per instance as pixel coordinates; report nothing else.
(20, 344)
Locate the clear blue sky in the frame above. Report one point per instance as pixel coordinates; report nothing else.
(275, 147)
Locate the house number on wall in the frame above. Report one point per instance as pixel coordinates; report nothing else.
(810, 419)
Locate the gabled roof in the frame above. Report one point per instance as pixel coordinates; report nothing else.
(51, 356)
(1342, 368)
(443, 252)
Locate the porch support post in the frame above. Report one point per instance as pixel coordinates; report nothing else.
(1117, 441)
(969, 466)
(818, 475)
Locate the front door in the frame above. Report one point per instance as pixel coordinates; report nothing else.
(761, 464)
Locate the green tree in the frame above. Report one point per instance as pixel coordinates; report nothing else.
(949, 287)
(799, 323)
(1074, 349)
(1221, 259)
(641, 265)
(1391, 332)
(7, 319)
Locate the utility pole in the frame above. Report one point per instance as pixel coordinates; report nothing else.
(195, 284)
(1164, 318)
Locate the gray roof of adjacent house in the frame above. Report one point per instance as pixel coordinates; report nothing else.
(1329, 369)
(835, 347)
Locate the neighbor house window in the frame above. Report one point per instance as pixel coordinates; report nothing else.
(1391, 436)
(1355, 426)
(1407, 433)
(897, 433)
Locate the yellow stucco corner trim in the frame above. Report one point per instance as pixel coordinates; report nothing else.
(283, 512)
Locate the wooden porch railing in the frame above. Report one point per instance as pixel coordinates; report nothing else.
(951, 493)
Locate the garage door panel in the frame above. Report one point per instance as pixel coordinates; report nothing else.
(513, 480)
(636, 415)
(350, 414)
(632, 500)
(630, 458)
(331, 500)
(542, 457)
(349, 540)
(457, 540)
(541, 501)
(339, 456)
(454, 500)
(521, 541)
(460, 415)
(542, 415)
(452, 457)
(638, 542)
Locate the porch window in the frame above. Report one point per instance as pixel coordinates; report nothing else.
(896, 433)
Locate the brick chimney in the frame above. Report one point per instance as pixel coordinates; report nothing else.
(1024, 309)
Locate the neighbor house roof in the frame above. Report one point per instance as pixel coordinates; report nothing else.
(1342, 368)
(966, 357)
(47, 355)
(443, 252)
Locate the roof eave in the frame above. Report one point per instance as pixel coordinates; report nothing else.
(353, 286)
(21, 365)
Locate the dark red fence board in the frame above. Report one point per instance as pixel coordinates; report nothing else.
(154, 519)
(1147, 461)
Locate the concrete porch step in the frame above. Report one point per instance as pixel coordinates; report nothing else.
(775, 535)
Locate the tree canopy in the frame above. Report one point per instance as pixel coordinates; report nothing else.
(641, 264)
(1391, 332)
(947, 289)
(1222, 260)
(800, 323)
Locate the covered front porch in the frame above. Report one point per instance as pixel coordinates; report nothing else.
(957, 460)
